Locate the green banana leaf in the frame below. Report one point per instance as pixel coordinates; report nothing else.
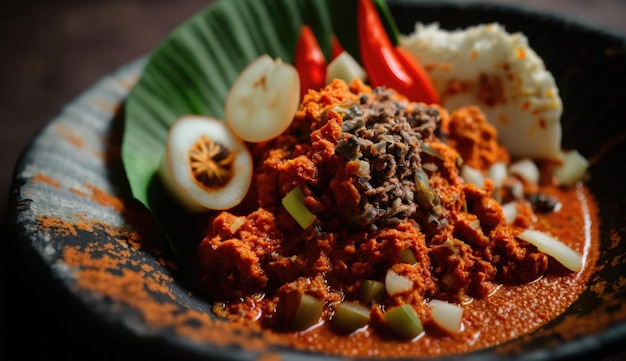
(192, 70)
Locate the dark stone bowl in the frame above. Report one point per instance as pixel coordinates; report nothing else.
(116, 290)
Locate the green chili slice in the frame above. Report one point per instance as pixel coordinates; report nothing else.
(404, 321)
(371, 292)
(309, 312)
(408, 256)
(350, 316)
(294, 204)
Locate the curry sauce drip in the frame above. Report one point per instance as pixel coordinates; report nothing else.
(381, 174)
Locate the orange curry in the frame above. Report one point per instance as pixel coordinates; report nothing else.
(382, 177)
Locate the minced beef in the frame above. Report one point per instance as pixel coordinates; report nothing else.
(384, 135)
(381, 177)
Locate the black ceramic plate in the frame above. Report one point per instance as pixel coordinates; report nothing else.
(79, 227)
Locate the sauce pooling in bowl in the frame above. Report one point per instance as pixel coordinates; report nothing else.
(383, 179)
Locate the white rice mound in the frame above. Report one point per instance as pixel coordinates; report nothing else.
(486, 66)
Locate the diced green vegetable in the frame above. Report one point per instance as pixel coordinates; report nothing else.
(371, 292)
(408, 256)
(309, 312)
(404, 321)
(294, 204)
(350, 316)
(425, 195)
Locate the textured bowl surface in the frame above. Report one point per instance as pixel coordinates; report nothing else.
(72, 211)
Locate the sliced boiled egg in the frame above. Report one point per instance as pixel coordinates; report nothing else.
(263, 100)
(205, 166)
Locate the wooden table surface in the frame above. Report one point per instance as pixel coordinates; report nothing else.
(50, 51)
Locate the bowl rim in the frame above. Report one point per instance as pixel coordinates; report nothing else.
(587, 344)
(571, 19)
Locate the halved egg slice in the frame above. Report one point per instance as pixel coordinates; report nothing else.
(263, 100)
(205, 166)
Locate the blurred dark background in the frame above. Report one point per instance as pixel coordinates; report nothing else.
(50, 51)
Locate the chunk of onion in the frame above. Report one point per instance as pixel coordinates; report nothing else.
(510, 211)
(472, 175)
(554, 248)
(572, 169)
(345, 67)
(497, 173)
(194, 169)
(525, 169)
(446, 315)
(395, 283)
(263, 100)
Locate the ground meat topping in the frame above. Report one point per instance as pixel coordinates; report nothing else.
(385, 134)
(388, 168)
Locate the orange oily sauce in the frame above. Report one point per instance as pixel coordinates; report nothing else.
(232, 252)
(508, 313)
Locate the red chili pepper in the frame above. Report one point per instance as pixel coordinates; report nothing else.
(388, 65)
(336, 47)
(309, 61)
(421, 75)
